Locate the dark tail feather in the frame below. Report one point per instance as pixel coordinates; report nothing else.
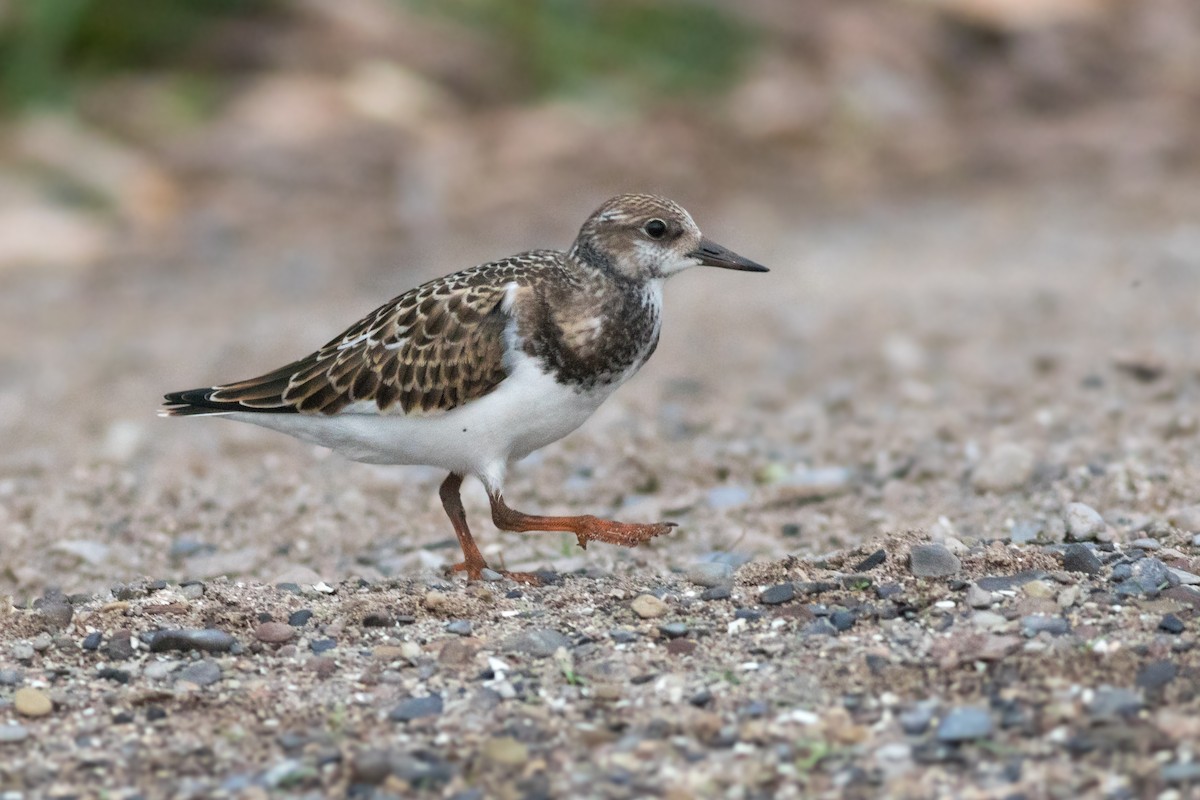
(199, 402)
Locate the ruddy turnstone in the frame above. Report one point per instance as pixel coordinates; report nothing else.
(478, 369)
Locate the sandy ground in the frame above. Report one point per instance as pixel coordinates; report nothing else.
(952, 367)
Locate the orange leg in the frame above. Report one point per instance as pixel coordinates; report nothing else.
(472, 563)
(586, 528)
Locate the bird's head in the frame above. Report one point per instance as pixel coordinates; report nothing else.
(643, 237)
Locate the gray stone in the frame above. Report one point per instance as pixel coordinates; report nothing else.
(201, 673)
(673, 630)
(208, 639)
(779, 593)
(916, 720)
(490, 575)
(978, 598)
(933, 561)
(1080, 558)
(1186, 772)
(1156, 675)
(820, 627)
(460, 627)
(1108, 703)
(1150, 574)
(54, 610)
(12, 677)
(1034, 624)
(1001, 583)
(1007, 467)
(13, 733)
(710, 573)
(537, 642)
(1145, 544)
(1083, 521)
(964, 724)
(158, 670)
(416, 708)
(1185, 578)
(716, 593)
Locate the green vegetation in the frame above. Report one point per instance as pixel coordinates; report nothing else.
(49, 47)
(630, 47)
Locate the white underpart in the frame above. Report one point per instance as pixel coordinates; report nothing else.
(527, 411)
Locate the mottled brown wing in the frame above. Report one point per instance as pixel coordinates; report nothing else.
(432, 349)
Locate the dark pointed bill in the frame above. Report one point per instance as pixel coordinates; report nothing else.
(711, 254)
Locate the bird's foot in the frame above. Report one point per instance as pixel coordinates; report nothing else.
(626, 534)
(474, 570)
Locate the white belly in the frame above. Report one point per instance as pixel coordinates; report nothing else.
(528, 410)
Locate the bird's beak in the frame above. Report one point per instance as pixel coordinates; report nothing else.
(711, 254)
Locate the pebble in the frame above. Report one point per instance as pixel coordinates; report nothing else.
(459, 627)
(842, 620)
(371, 767)
(1083, 521)
(537, 642)
(505, 751)
(41, 643)
(11, 677)
(964, 724)
(208, 639)
(490, 575)
(298, 619)
(54, 610)
(933, 560)
(158, 670)
(1109, 702)
(1034, 624)
(274, 632)
(201, 673)
(1080, 558)
(1171, 624)
(319, 646)
(13, 733)
(1150, 574)
(820, 627)
(1185, 772)
(1156, 675)
(978, 598)
(673, 630)
(710, 573)
(31, 702)
(988, 620)
(1007, 467)
(647, 606)
(779, 593)
(1145, 544)
(916, 720)
(872, 561)
(92, 640)
(416, 708)
(717, 593)
(1186, 578)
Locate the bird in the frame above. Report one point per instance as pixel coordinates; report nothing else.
(473, 371)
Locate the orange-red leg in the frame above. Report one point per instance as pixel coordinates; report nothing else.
(472, 563)
(586, 528)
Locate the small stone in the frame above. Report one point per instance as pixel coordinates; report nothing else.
(11, 677)
(1156, 675)
(916, 720)
(31, 702)
(978, 598)
(505, 751)
(435, 600)
(1150, 574)
(933, 561)
(158, 670)
(964, 724)
(1186, 578)
(997, 648)
(1034, 624)
(647, 606)
(988, 620)
(41, 643)
(54, 611)
(371, 767)
(318, 646)
(842, 620)
(1080, 558)
(1187, 772)
(92, 641)
(378, 619)
(274, 632)
(1007, 467)
(710, 573)
(1171, 624)
(201, 673)
(209, 639)
(820, 627)
(872, 561)
(777, 594)
(537, 642)
(298, 619)
(717, 593)
(1039, 590)
(416, 708)
(673, 630)
(490, 575)
(1145, 544)
(13, 733)
(1109, 702)
(748, 614)
(1083, 521)
(459, 627)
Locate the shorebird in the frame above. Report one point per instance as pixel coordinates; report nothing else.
(476, 370)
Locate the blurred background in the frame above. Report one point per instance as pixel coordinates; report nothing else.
(970, 207)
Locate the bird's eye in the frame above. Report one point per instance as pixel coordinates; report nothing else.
(655, 228)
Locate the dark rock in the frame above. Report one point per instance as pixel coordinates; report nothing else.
(11, 677)
(933, 560)
(748, 614)
(54, 610)
(622, 635)
(716, 593)
(92, 640)
(378, 619)
(459, 627)
(820, 627)
(701, 698)
(964, 724)
(916, 720)
(537, 642)
(119, 645)
(416, 708)
(779, 593)
(1171, 624)
(673, 630)
(815, 587)
(842, 620)
(115, 675)
(1150, 574)
(298, 619)
(319, 646)
(1156, 675)
(1000, 583)
(888, 590)
(208, 639)
(1080, 558)
(1122, 572)
(871, 562)
(1109, 703)
(201, 673)
(1034, 624)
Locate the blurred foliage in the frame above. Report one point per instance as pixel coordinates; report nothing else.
(638, 47)
(48, 47)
